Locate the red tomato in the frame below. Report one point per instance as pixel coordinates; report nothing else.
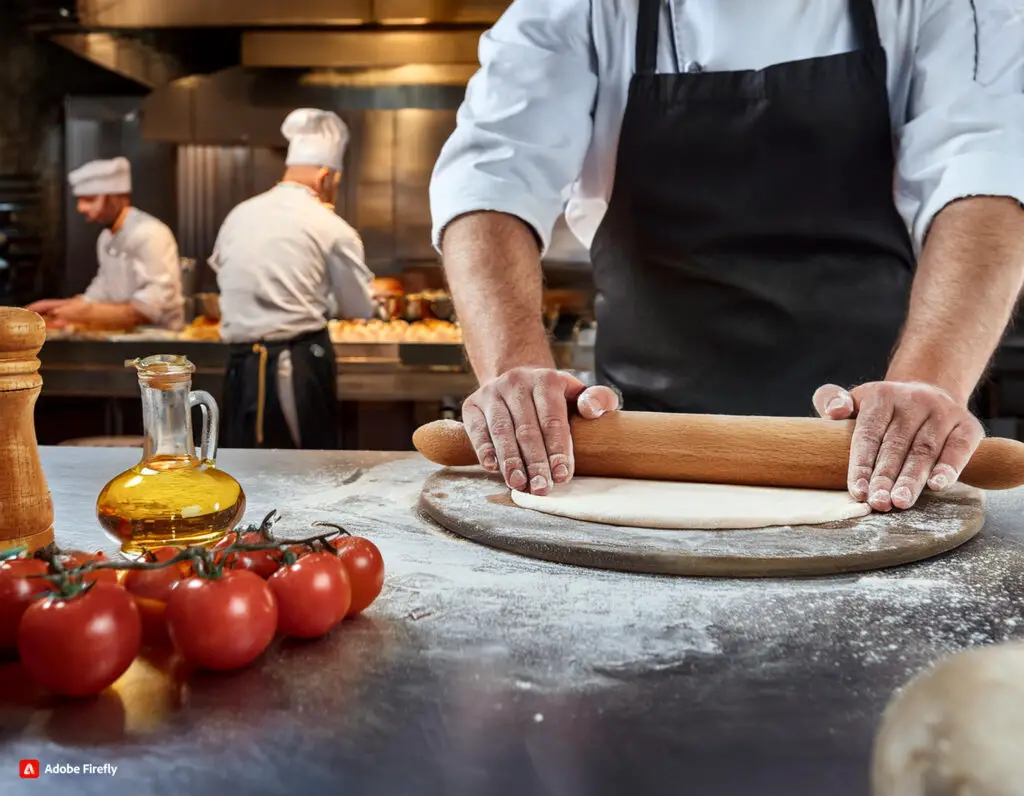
(17, 592)
(365, 567)
(153, 614)
(263, 562)
(72, 559)
(77, 646)
(222, 623)
(313, 595)
(155, 584)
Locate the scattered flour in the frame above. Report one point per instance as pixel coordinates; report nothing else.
(549, 626)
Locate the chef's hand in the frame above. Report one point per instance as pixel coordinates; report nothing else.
(906, 435)
(46, 306)
(71, 311)
(519, 425)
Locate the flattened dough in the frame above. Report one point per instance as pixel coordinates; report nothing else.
(678, 505)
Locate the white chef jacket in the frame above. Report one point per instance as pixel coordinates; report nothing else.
(139, 264)
(541, 118)
(285, 263)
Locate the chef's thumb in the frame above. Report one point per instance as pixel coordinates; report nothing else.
(596, 401)
(833, 402)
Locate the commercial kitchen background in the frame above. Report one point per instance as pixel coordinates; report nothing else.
(193, 93)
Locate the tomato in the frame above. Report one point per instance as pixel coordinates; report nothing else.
(263, 562)
(72, 559)
(313, 595)
(153, 614)
(222, 623)
(365, 567)
(18, 589)
(156, 584)
(77, 646)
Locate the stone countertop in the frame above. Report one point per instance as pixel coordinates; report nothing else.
(482, 672)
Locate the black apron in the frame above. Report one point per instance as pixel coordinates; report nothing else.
(751, 250)
(252, 415)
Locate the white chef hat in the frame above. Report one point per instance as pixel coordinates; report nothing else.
(315, 138)
(98, 177)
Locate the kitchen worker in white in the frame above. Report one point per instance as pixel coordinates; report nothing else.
(789, 204)
(286, 263)
(138, 282)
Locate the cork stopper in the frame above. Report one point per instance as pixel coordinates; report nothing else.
(22, 334)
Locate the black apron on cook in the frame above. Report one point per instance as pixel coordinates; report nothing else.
(751, 250)
(252, 416)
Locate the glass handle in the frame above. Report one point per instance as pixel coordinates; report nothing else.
(211, 422)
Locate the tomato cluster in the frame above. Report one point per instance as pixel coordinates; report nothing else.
(77, 620)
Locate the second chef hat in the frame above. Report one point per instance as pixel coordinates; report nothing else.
(99, 177)
(315, 138)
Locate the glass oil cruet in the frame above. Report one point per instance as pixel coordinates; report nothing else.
(171, 497)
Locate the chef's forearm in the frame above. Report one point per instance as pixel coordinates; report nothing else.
(968, 281)
(492, 263)
(104, 315)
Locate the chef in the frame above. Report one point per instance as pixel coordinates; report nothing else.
(731, 166)
(138, 282)
(286, 263)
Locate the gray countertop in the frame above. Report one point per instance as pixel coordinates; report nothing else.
(481, 672)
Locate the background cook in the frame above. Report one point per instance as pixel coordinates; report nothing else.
(138, 282)
(732, 168)
(286, 263)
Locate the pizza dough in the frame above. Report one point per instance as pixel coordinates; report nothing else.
(956, 729)
(681, 505)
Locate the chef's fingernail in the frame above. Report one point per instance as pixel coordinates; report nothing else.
(880, 496)
(560, 471)
(517, 480)
(538, 482)
(938, 482)
(861, 488)
(902, 494)
(490, 462)
(837, 403)
(588, 404)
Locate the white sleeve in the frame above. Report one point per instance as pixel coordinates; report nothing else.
(525, 125)
(157, 275)
(99, 288)
(350, 278)
(964, 134)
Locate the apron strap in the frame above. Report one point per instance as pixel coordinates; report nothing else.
(261, 390)
(647, 37)
(865, 24)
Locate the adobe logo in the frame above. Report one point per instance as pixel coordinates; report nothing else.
(28, 769)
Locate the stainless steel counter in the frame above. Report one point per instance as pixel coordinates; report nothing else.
(480, 672)
(366, 372)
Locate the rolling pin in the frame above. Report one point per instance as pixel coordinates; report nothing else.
(809, 453)
(26, 509)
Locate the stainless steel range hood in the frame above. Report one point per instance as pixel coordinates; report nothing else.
(244, 107)
(149, 14)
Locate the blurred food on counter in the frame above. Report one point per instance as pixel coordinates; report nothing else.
(430, 330)
(202, 328)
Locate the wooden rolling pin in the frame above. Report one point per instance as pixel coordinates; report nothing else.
(26, 509)
(758, 451)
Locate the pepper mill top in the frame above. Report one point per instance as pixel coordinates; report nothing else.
(27, 516)
(22, 334)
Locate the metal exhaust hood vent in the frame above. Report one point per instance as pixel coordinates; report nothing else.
(113, 14)
(245, 107)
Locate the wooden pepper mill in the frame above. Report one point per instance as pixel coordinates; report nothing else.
(26, 508)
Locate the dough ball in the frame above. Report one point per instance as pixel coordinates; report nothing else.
(956, 729)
